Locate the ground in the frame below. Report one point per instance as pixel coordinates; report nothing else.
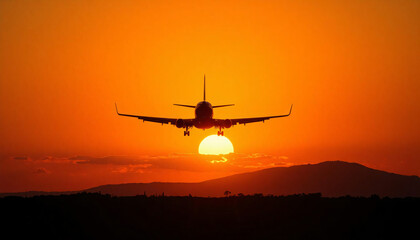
(96, 216)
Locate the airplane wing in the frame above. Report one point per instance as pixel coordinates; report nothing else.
(149, 119)
(257, 119)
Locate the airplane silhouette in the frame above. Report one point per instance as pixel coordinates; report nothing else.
(203, 117)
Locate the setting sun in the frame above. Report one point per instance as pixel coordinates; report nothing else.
(215, 145)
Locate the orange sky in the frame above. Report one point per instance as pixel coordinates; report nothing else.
(351, 69)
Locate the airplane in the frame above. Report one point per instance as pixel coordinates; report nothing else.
(203, 117)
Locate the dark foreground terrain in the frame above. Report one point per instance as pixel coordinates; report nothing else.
(96, 216)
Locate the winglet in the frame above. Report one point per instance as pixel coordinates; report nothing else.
(290, 109)
(204, 87)
(116, 108)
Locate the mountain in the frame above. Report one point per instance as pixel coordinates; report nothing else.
(332, 179)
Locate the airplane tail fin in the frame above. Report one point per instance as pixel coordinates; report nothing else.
(204, 87)
(226, 105)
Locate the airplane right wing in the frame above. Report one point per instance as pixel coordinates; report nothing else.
(171, 121)
(257, 119)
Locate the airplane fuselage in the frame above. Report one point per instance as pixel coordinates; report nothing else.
(203, 115)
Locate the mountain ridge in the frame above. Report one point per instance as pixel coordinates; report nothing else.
(331, 178)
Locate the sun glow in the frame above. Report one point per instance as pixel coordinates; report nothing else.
(215, 145)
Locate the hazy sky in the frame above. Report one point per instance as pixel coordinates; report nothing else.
(351, 69)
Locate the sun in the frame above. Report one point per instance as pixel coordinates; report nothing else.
(215, 145)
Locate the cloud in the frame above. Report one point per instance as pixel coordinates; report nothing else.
(259, 161)
(41, 171)
(234, 162)
(44, 159)
(129, 169)
(189, 162)
(114, 160)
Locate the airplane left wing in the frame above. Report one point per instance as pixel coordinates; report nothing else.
(149, 119)
(257, 119)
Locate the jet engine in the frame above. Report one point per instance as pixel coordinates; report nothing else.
(227, 123)
(180, 123)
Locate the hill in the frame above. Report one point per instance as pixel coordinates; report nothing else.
(332, 179)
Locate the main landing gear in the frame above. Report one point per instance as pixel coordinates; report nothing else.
(186, 132)
(220, 132)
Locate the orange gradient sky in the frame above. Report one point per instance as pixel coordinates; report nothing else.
(351, 69)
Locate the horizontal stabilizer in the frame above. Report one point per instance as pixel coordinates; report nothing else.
(227, 105)
(182, 105)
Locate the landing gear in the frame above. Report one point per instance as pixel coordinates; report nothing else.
(186, 132)
(220, 132)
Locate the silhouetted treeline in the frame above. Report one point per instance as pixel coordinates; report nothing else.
(310, 216)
